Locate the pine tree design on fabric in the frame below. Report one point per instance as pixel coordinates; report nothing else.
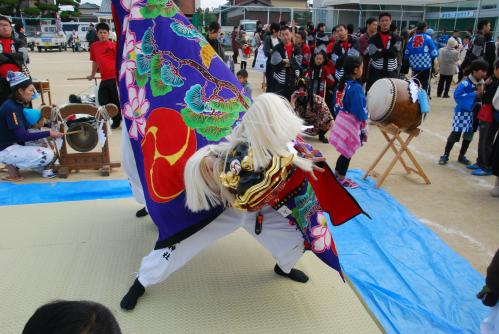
(155, 8)
(212, 116)
(213, 119)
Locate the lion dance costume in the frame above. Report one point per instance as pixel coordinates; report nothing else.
(179, 100)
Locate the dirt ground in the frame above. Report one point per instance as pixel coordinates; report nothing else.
(456, 205)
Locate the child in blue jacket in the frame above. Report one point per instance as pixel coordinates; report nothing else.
(420, 52)
(467, 96)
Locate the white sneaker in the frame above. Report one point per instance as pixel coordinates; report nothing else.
(48, 174)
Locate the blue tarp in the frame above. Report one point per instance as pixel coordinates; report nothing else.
(409, 278)
(32, 193)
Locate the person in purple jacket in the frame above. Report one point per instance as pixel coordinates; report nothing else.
(14, 133)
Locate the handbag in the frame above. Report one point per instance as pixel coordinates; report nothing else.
(261, 60)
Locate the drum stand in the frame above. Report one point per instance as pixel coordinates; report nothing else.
(88, 160)
(392, 134)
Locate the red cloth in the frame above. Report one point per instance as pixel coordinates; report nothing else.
(346, 45)
(385, 37)
(289, 50)
(7, 48)
(333, 198)
(330, 67)
(330, 46)
(485, 113)
(104, 54)
(305, 51)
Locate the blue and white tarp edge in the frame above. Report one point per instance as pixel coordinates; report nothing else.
(51, 192)
(411, 280)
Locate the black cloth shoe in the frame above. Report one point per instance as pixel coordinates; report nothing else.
(141, 213)
(322, 137)
(134, 293)
(116, 122)
(295, 274)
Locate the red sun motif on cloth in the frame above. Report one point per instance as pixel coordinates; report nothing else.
(166, 146)
(418, 41)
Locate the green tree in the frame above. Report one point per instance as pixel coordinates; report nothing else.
(9, 7)
(32, 11)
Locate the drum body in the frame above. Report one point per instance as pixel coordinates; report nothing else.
(389, 101)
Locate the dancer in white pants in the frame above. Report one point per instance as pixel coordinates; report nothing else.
(284, 241)
(130, 167)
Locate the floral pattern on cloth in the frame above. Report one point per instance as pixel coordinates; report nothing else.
(319, 116)
(136, 110)
(313, 223)
(176, 96)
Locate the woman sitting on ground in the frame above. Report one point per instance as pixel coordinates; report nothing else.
(14, 133)
(312, 109)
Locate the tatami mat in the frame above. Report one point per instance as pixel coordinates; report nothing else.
(91, 249)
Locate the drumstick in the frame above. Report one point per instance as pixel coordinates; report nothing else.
(81, 78)
(72, 132)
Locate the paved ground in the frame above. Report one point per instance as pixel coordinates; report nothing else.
(457, 206)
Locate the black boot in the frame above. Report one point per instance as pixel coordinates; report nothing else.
(116, 122)
(141, 213)
(295, 274)
(462, 153)
(322, 137)
(130, 300)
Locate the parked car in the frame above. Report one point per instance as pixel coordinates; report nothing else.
(49, 41)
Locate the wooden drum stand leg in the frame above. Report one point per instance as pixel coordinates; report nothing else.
(392, 134)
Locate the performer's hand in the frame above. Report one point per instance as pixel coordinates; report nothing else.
(90, 77)
(479, 91)
(303, 149)
(55, 134)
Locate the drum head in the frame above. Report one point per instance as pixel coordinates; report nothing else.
(380, 99)
(83, 137)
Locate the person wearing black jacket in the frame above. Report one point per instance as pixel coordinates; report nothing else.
(490, 295)
(346, 45)
(384, 48)
(213, 35)
(20, 32)
(13, 56)
(91, 35)
(488, 127)
(270, 40)
(480, 48)
(311, 36)
(286, 61)
(489, 54)
(321, 39)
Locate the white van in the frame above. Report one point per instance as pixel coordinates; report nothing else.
(250, 27)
